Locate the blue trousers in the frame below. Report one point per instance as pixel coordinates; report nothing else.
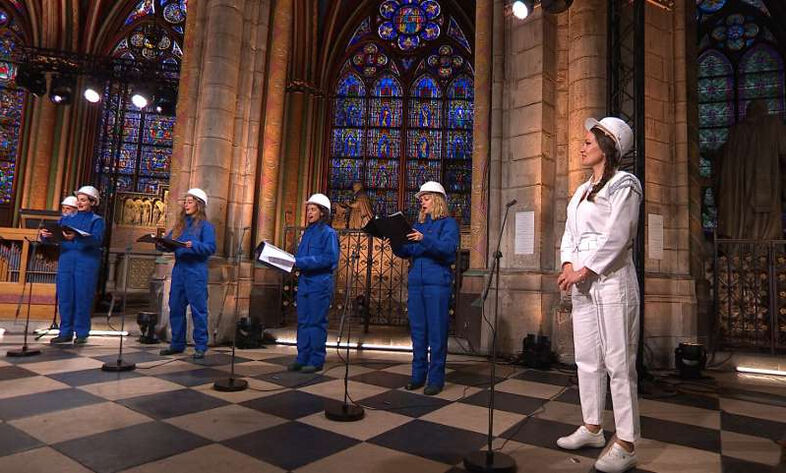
(188, 288)
(312, 323)
(428, 322)
(76, 290)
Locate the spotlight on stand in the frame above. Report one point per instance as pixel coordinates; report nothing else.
(249, 333)
(522, 8)
(690, 359)
(61, 91)
(536, 352)
(165, 101)
(147, 325)
(555, 6)
(141, 97)
(92, 92)
(31, 79)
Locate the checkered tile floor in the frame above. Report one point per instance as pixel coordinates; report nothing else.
(60, 412)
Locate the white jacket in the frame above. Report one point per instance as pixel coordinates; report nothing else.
(599, 235)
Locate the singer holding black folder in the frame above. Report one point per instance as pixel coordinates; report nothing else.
(432, 248)
(189, 275)
(316, 258)
(77, 270)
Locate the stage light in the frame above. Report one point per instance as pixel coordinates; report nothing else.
(690, 359)
(521, 9)
(92, 92)
(555, 6)
(141, 97)
(745, 369)
(31, 80)
(147, 325)
(165, 101)
(62, 90)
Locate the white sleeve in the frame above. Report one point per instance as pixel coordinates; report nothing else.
(567, 249)
(625, 198)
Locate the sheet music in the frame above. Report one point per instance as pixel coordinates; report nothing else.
(277, 258)
(525, 233)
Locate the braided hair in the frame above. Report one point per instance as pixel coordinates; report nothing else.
(610, 165)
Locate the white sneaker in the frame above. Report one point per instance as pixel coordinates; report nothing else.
(582, 437)
(616, 460)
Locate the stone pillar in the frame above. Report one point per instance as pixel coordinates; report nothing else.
(269, 175)
(481, 132)
(587, 77)
(40, 154)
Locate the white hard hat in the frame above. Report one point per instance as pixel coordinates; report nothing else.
(69, 201)
(89, 191)
(198, 193)
(431, 186)
(320, 199)
(616, 129)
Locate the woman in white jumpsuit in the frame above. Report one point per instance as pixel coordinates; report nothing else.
(597, 267)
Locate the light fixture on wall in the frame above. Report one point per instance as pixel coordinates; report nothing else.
(31, 79)
(61, 91)
(92, 92)
(141, 97)
(522, 8)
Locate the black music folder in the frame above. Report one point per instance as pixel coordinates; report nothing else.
(393, 227)
(57, 231)
(167, 243)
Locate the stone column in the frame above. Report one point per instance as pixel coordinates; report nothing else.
(40, 154)
(586, 76)
(269, 176)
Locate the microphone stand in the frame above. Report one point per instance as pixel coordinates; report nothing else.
(489, 460)
(119, 364)
(346, 412)
(233, 384)
(25, 350)
(53, 325)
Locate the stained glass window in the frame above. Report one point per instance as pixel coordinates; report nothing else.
(738, 62)
(12, 101)
(139, 159)
(403, 110)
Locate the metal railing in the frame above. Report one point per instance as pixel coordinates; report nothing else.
(378, 295)
(749, 294)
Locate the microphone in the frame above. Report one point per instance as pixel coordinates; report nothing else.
(511, 203)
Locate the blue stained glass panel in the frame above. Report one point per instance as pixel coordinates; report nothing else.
(714, 89)
(382, 173)
(158, 130)
(424, 144)
(347, 142)
(343, 172)
(426, 87)
(462, 87)
(461, 114)
(418, 172)
(349, 112)
(7, 171)
(131, 123)
(126, 161)
(425, 113)
(385, 112)
(710, 6)
(148, 185)
(142, 9)
(387, 86)
(11, 106)
(411, 207)
(455, 32)
(351, 86)
(459, 145)
(125, 184)
(155, 161)
(385, 202)
(705, 167)
(458, 176)
(716, 114)
(714, 63)
(362, 30)
(711, 139)
(459, 205)
(761, 59)
(384, 143)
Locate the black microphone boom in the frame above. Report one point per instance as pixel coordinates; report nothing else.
(511, 203)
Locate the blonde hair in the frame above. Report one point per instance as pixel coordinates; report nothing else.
(198, 217)
(440, 209)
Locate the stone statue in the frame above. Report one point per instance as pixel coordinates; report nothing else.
(138, 204)
(147, 212)
(128, 212)
(360, 209)
(159, 213)
(749, 188)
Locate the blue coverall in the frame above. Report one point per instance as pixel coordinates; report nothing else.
(189, 283)
(77, 273)
(430, 280)
(317, 258)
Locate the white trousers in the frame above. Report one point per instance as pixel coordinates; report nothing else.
(605, 335)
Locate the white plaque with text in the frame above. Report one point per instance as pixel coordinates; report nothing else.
(655, 236)
(525, 233)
